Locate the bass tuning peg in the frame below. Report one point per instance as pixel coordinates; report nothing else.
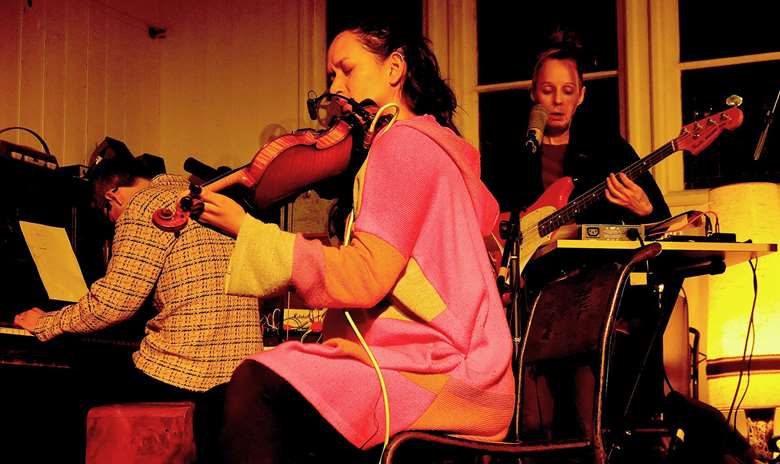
(734, 100)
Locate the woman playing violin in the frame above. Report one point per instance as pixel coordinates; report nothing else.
(414, 276)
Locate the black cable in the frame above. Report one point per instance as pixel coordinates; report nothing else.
(687, 311)
(668, 382)
(693, 349)
(35, 134)
(659, 228)
(747, 381)
(643, 364)
(123, 16)
(751, 327)
(744, 349)
(769, 117)
(633, 234)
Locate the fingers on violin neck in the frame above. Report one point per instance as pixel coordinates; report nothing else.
(196, 209)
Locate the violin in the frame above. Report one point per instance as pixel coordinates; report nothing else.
(290, 164)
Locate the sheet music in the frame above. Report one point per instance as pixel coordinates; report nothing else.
(56, 263)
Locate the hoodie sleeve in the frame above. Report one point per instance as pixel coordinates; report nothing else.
(398, 184)
(138, 254)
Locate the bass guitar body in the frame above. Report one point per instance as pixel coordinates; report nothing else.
(531, 238)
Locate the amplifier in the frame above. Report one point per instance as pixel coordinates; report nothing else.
(28, 155)
(611, 231)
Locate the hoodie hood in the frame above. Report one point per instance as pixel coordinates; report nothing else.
(466, 158)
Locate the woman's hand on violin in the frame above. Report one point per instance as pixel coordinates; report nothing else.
(624, 192)
(221, 212)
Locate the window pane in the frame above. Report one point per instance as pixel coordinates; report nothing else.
(511, 34)
(730, 158)
(347, 13)
(504, 120)
(720, 29)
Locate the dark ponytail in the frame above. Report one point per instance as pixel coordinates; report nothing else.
(426, 90)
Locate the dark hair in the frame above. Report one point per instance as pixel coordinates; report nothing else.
(563, 45)
(424, 87)
(119, 171)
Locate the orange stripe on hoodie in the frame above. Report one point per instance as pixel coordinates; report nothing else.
(354, 276)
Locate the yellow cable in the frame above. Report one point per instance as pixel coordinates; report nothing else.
(378, 114)
(374, 363)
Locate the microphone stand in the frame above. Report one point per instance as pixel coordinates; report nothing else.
(770, 116)
(509, 282)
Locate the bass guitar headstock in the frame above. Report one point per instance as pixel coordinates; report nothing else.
(698, 135)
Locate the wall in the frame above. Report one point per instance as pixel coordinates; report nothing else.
(225, 77)
(696, 297)
(233, 73)
(75, 71)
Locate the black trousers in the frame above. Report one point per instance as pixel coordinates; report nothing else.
(260, 418)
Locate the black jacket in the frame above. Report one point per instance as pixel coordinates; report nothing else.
(590, 157)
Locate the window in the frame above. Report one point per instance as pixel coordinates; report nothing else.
(511, 34)
(730, 158)
(741, 55)
(716, 30)
(347, 13)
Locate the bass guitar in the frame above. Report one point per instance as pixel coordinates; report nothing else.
(540, 221)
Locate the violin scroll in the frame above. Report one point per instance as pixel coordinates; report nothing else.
(174, 221)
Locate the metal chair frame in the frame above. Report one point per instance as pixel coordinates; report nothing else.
(517, 448)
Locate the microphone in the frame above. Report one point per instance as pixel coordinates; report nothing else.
(537, 120)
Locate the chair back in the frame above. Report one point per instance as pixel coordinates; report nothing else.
(565, 354)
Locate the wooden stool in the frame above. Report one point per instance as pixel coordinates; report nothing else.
(140, 433)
